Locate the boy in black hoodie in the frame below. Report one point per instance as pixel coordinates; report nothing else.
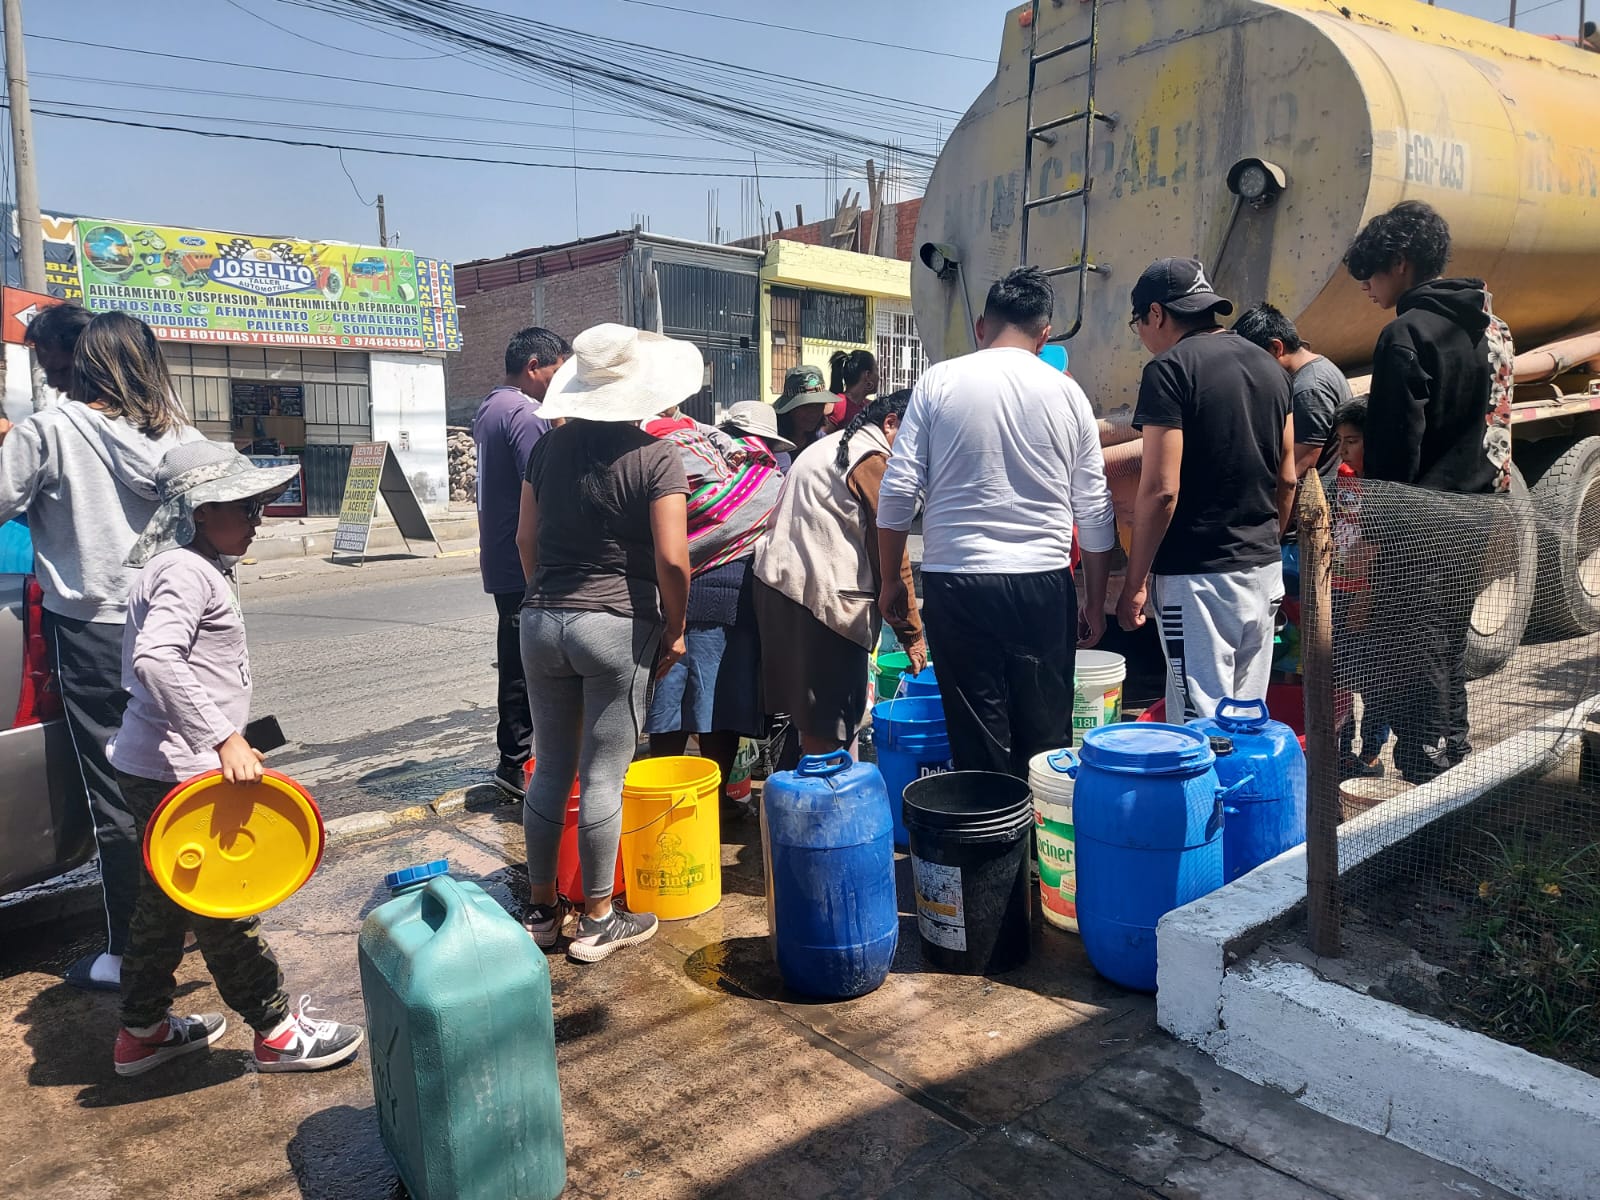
(1438, 418)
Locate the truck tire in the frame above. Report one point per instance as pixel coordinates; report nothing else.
(1500, 615)
(1567, 501)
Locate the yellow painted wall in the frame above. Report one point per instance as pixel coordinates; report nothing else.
(824, 269)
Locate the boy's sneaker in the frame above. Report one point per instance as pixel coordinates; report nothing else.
(543, 923)
(512, 780)
(134, 1055)
(601, 939)
(307, 1045)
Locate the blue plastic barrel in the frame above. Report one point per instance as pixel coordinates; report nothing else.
(1147, 814)
(462, 1043)
(829, 846)
(911, 742)
(1267, 815)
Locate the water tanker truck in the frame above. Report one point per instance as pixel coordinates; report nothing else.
(1259, 136)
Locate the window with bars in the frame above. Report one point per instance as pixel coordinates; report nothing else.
(785, 319)
(901, 358)
(833, 317)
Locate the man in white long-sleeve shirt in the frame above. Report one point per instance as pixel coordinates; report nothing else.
(1006, 453)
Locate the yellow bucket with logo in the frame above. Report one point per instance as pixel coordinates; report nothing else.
(672, 836)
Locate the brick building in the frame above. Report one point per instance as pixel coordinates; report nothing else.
(704, 293)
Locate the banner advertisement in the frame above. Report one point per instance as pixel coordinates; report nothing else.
(197, 286)
(441, 327)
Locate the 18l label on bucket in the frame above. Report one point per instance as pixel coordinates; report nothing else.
(941, 918)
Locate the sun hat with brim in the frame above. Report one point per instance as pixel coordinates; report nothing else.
(755, 419)
(197, 473)
(618, 373)
(803, 386)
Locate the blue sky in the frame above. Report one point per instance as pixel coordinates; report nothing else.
(88, 55)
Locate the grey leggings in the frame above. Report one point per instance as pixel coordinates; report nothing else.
(587, 676)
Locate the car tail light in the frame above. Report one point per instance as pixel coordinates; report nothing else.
(40, 699)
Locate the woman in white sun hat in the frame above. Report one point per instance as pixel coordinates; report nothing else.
(604, 542)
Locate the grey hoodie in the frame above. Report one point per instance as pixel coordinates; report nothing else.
(85, 481)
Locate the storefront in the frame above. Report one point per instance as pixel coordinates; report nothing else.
(816, 300)
(291, 350)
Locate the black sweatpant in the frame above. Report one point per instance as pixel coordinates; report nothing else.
(1424, 591)
(245, 971)
(514, 733)
(1004, 646)
(88, 658)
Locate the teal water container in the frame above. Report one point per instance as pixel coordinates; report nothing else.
(462, 1043)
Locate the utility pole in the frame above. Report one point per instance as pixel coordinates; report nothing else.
(22, 147)
(383, 224)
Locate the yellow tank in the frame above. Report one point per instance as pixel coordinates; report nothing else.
(1353, 106)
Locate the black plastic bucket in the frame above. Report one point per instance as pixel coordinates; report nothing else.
(969, 855)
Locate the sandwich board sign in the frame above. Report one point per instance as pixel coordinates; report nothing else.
(374, 472)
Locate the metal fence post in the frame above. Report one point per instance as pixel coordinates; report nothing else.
(1322, 742)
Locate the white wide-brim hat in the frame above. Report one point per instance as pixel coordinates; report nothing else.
(758, 420)
(196, 473)
(618, 373)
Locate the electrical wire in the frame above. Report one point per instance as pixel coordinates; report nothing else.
(624, 73)
(342, 49)
(391, 153)
(353, 187)
(816, 33)
(320, 102)
(401, 135)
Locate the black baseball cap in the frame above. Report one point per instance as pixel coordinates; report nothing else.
(1180, 286)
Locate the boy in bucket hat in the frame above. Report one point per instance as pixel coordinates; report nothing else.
(1216, 491)
(804, 406)
(186, 668)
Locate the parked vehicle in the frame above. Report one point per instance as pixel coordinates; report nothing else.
(44, 817)
(1260, 136)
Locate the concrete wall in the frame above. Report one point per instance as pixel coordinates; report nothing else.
(408, 412)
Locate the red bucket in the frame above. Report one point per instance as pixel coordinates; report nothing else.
(569, 868)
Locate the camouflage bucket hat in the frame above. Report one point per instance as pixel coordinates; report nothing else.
(802, 386)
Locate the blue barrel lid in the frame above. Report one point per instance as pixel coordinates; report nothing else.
(418, 874)
(1146, 747)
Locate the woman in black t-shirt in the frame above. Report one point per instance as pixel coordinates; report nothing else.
(604, 543)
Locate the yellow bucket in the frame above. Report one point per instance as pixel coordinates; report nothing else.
(672, 836)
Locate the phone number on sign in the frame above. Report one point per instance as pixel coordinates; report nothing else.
(314, 340)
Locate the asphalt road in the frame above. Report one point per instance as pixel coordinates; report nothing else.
(382, 678)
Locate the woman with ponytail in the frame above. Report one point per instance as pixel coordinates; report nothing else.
(855, 377)
(817, 579)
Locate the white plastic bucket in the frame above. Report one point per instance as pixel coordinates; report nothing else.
(1097, 690)
(1051, 776)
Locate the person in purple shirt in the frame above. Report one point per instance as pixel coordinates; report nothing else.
(506, 429)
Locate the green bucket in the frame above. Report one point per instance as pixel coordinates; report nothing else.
(890, 668)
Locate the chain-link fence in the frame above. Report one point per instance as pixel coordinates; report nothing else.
(1450, 644)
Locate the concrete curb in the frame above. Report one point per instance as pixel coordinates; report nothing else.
(284, 542)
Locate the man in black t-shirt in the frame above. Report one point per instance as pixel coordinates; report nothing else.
(1216, 490)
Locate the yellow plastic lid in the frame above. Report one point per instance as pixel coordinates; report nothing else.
(233, 850)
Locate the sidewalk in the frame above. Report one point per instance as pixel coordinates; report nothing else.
(687, 1072)
(312, 537)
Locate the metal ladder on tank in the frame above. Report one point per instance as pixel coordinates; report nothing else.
(1045, 132)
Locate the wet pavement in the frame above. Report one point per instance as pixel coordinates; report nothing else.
(687, 1071)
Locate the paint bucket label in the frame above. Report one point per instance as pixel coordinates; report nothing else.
(1058, 872)
(941, 917)
(1095, 707)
